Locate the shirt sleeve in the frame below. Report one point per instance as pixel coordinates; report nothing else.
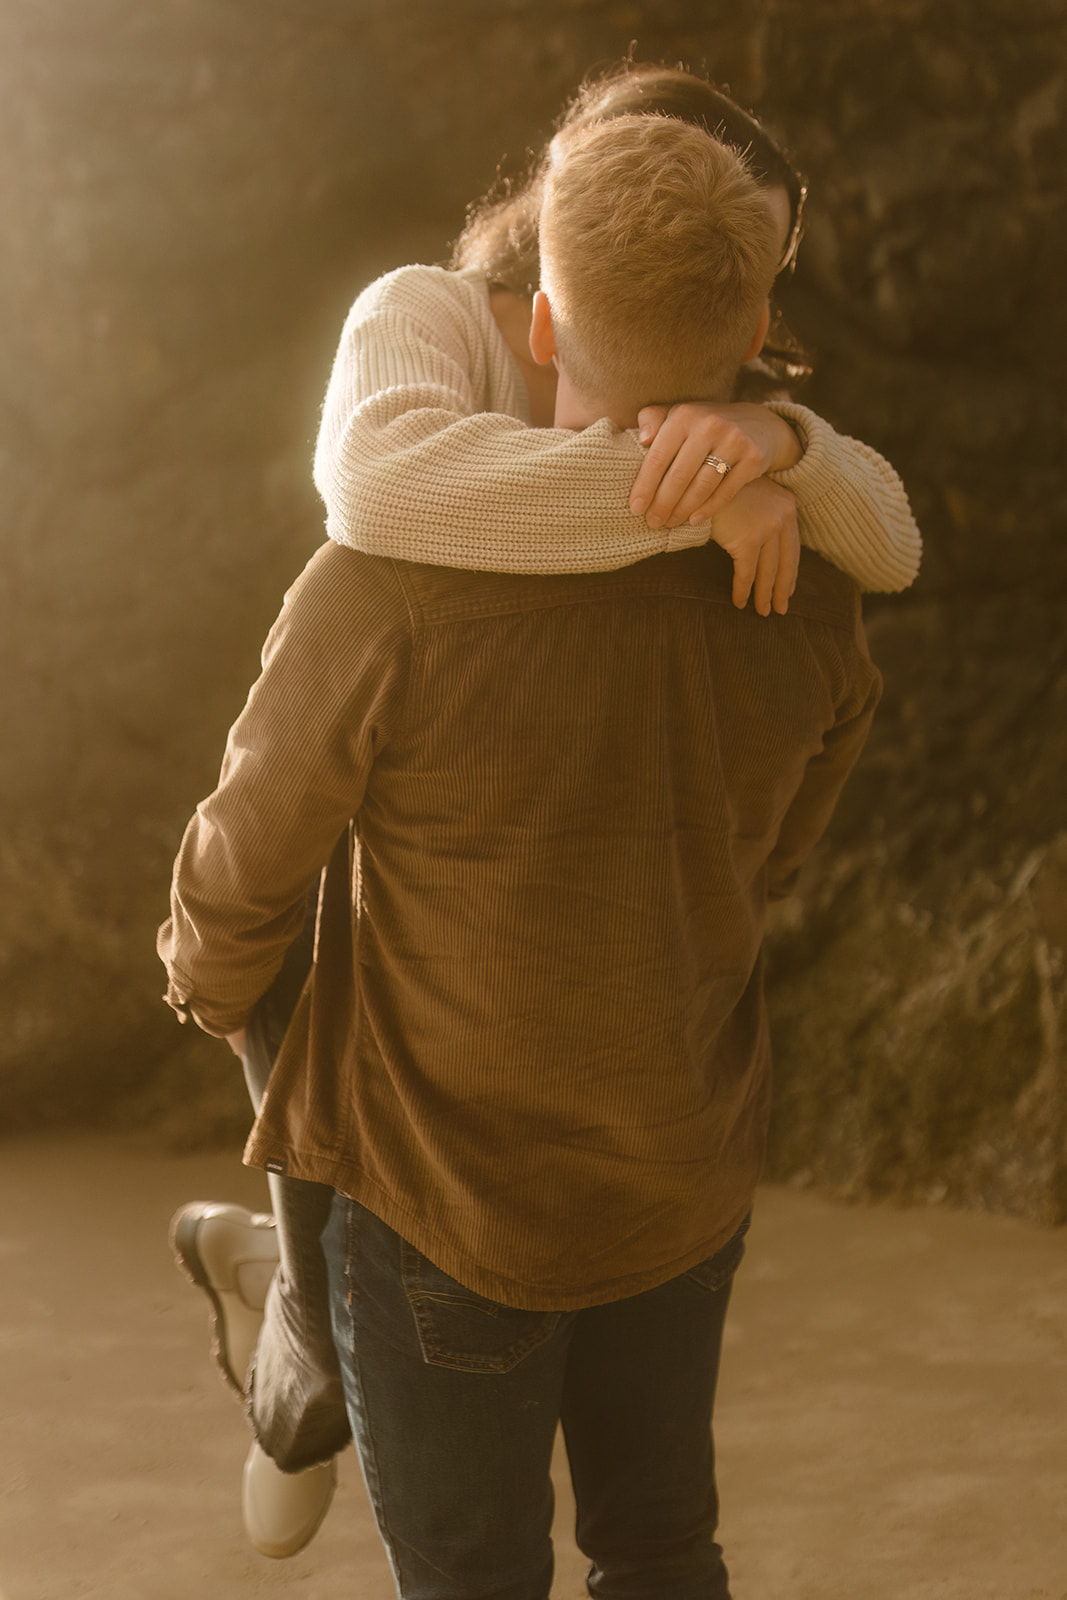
(812, 806)
(294, 773)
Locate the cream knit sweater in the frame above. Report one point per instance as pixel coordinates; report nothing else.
(426, 454)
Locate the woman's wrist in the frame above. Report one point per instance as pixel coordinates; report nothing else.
(787, 448)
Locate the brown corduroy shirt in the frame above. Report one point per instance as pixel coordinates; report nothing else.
(534, 1039)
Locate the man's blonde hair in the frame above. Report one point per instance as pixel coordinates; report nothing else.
(658, 250)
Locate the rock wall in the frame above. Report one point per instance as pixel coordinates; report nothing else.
(194, 190)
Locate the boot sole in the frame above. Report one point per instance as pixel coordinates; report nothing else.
(184, 1229)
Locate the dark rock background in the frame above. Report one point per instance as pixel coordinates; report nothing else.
(193, 192)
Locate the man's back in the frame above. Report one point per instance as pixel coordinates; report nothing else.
(554, 1063)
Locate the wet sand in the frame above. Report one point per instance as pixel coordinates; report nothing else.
(892, 1421)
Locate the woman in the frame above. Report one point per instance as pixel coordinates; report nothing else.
(433, 386)
(426, 434)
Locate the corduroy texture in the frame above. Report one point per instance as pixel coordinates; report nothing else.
(424, 455)
(534, 1040)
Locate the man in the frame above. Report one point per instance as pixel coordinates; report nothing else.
(532, 1056)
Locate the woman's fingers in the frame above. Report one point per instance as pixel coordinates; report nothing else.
(788, 562)
(759, 533)
(676, 483)
(746, 563)
(754, 519)
(763, 589)
(779, 562)
(693, 486)
(650, 420)
(717, 497)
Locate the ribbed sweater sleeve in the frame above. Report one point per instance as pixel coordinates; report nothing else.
(424, 455)
(851, 506)
(415, 460)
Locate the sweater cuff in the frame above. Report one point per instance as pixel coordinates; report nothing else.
(851, 505)
(688, 536)
(807, 476)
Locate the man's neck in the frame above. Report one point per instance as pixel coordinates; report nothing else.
(576, 410)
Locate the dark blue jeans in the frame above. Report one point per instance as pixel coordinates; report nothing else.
(454, 1402)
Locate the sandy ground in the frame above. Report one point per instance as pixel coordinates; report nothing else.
(892, 1422)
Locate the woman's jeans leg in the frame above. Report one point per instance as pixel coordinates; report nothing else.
(296, 1401)
(454, 1402)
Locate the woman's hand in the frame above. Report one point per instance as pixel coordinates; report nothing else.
(675, 483)
(759, 530)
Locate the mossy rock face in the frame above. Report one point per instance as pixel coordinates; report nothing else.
(193, 194)
(916, 980)
(919, 1057)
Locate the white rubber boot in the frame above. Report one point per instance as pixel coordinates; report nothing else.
(231, 1254)
(284, 1510)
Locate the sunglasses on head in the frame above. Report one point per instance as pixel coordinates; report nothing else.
(789, 257)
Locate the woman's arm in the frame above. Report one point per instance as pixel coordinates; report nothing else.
(424, 455)
(851, 506)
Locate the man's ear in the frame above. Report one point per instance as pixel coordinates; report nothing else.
(760, 334)
(542, 336)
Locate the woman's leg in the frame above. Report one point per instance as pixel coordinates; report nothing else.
(296, 1400)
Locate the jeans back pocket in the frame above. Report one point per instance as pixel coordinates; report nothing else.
(460, 1329)
(717, 1270)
